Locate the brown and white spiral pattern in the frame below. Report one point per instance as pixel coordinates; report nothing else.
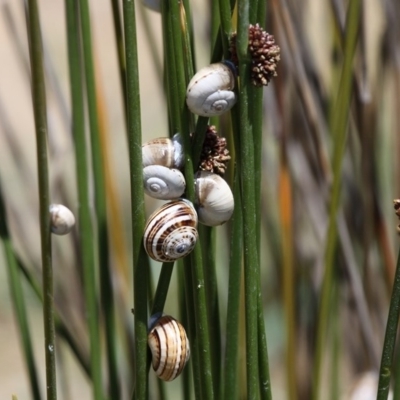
(170, 232)
(169, 347)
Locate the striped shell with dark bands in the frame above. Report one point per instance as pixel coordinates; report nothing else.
(170, 232)
(169, 347)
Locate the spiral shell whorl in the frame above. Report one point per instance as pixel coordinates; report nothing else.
(210, 91)
(163, 183)
(169, 347)
(214, 199)
(61, 218)
(163, 151)
(170, 232)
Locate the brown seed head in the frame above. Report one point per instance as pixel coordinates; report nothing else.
(265, 55)
(214, 155)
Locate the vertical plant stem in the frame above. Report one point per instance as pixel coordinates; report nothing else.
(140, 267)
(107, 295)
(385, 371)
(119, 38)
(246, 154)
(339, 130)
(231, 383)
(39, 111)
(84, 210)
(285, 205)
(18, 301)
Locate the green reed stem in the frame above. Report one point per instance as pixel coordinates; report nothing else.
(84, 210)
(107, 295)
(246, 154)
(339, 130)
(231, 382)
(119, 38)
(208, 244)
(140, 266)
(39, 111)
(385, 371)
(61, 328)
(17, 298)
(162, 287)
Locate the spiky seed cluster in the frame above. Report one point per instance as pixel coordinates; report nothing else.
(214, 155)
(265, 55)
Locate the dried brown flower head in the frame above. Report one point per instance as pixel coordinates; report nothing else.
(265, 55)
(214, 155)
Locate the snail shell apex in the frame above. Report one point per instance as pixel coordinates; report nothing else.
(163, 183)
(170, 232)
(169, 347)
(210, 91)
(163, 151)
(213, 199)
(61, 219)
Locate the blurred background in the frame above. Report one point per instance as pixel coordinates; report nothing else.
(295, 213)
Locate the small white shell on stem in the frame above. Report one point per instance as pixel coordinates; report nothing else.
(210, 91)
(61, 218)
(163, 151)
(213, 199)
(163, 183)
(169, 347)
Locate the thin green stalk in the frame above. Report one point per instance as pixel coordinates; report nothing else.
(162, 287)
(246, 154)
(231, 382)
(208, 244)
(61, 329)
(84, 210)
(385, 371)
(119, 38)
(39, 111)
(18, 300)
(107, 295)
(339, 130)
(140, 266)
(257, 15)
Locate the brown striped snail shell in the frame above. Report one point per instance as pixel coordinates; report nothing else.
(169, 347)
(170, 232)
(164, 151)
(210, 91)
(163, 183)
(61, 219)
(213, 199)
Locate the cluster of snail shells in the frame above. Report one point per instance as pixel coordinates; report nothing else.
(162, 159)
(169, 347)
(171, 231)
(210, 91)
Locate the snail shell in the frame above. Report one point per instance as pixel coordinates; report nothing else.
(170, 232)
(163, 151)
(210, 91)
(163, 183)
(169, 347)
(61, 219)
(214, 199)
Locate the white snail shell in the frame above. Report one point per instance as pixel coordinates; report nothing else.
(210, 91)
(61, 219)
(169, 347)
(163, 151)
(163, 183)
(214, 199)
(170, 232)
